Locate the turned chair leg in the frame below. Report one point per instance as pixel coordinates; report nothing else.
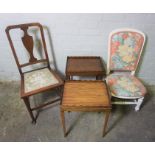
(106, 121)
(139, 103)
(27, 103)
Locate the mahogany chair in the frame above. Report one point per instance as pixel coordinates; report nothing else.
(36, 80)
(125, 48)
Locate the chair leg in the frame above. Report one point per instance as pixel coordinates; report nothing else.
(106, 121)
(59, 91)
(139, 103)
(63, 122)
(27, 103)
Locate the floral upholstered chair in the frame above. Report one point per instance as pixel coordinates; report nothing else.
(125, 48)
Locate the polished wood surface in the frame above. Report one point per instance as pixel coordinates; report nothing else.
(85, 96)
(84, 65)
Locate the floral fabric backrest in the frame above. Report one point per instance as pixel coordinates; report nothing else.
(125, 49)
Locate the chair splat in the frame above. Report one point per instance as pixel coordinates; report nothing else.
(28, 43)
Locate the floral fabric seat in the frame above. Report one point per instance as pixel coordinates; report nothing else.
(125, 86)
(38, 79)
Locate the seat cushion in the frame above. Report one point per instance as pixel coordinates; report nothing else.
(38, 79)
(127, 86)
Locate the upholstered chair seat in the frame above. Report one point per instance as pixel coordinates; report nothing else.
(39, 79)
(125, 86)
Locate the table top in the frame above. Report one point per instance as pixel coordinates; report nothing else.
(84, 65)
(85, 94)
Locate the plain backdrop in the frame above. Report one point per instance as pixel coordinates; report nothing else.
(71, 34)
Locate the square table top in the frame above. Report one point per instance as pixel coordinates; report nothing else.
(90, 65)
(85, 94)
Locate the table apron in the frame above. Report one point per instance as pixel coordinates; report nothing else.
(86, 109)
(85, 73)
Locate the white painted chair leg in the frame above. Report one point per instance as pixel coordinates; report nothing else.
(139, 102)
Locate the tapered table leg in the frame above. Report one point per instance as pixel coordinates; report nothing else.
(97, 77)
(106, 121)
(67, 77)
(71, 77)
(63, 122)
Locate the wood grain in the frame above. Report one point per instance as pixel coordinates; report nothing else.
(84, 65)
(85, 94)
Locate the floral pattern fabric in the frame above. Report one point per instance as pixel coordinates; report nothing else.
(125, 86)
(38, 79)
(125, 50)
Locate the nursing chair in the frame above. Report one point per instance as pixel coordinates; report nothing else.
(124, 51)
(36, 79)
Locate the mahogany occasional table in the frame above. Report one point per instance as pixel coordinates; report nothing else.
(85, 96)
(84, 66)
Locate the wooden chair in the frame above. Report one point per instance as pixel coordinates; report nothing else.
(125, 48)
(35, 80)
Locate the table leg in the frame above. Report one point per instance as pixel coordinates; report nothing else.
(106, 121)
(71, 77)
(63, 122)
(99, 77)
(67, 77)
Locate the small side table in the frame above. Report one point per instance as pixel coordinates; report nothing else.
(84, 66)
(85, 96)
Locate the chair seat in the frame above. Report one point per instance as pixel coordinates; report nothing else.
(39, 79)
(127, 86)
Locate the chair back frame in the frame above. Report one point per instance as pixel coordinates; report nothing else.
(109, 48)
(28, 43)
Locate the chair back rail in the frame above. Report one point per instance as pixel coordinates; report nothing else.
(28, 43)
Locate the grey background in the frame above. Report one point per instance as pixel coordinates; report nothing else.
(78, 34)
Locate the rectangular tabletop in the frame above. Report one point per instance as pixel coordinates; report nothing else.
(85, 94)
(84, 65)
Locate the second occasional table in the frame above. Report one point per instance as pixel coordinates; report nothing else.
(85, 96)
(84, 66)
